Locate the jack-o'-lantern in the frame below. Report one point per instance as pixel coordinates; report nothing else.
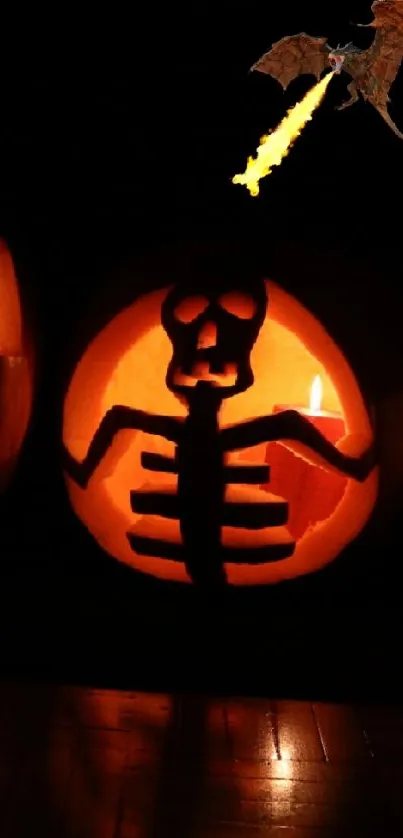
(191, 450)
(16, 369)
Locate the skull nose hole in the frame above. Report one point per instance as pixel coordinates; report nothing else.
(207, 336)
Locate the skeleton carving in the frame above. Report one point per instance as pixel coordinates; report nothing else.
(212, 335)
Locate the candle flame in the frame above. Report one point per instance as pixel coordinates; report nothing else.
(315, 401)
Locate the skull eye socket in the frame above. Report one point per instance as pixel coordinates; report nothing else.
(190, 308)
(240, 304)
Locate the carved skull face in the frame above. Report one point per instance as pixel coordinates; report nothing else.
(212, 334)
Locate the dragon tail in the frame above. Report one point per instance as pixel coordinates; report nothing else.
(389, 121)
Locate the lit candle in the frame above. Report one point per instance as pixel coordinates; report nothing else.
(312, 492)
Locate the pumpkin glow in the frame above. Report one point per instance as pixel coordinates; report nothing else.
(126, 364)
(16, 388)
(294, 477)
(276, 145)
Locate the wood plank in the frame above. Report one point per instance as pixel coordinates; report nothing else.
(384, 732)
(347, 816)
(233, 830)
(103, 709)
(10, 771)
(149, 718)
(38, 798)
(251, 726)
(223, 830)
(106, 764)
(342, 811)
(175, 804)
(144, 807)
(341, 733)
(319, 794)
(99, 759)
(298, 734)
(202, 732)
(320, 772)
(25, 706)
(180, 791)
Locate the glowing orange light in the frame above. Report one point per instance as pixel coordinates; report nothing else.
(16, 366)
(133, 349)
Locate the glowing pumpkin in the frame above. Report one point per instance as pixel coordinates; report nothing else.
(131, 362)
(16, 369)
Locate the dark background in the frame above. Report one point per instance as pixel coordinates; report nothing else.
(118, 142)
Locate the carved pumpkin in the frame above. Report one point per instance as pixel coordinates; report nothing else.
(16, 369)
(129, 364)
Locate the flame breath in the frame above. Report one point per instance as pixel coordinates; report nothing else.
(276, 145)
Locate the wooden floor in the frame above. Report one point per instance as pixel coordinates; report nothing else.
(99, 764)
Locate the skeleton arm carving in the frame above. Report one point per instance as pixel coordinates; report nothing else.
(118, 418)
(291, 425)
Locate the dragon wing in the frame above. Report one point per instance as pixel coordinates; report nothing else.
(386, 51)
(295, 55)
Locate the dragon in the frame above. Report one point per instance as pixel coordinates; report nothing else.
(373, 70)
